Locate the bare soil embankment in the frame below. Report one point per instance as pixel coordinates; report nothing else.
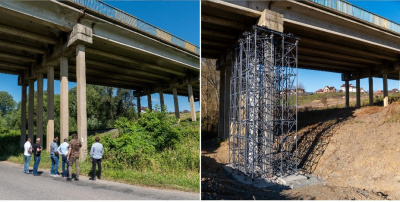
(356, 152)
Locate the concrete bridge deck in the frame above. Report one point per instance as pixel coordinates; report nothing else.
(336, 36)
(90, 42)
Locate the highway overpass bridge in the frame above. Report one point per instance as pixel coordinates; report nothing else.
(336, 36)
(90, 42)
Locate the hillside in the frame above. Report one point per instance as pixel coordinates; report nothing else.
(355, 152)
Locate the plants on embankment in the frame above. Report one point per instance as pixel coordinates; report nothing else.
(156, 150)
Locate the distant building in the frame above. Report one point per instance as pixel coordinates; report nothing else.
(378, 92)
(143, 109)
(300, 91)
(352, 89)
(329, 89)
(394, 90)
(320, 91)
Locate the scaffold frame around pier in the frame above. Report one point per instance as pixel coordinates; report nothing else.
(263, 104)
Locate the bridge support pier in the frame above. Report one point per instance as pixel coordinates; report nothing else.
(385, 91)
(358, 97)
(81, 99)
(371, 90)
(347, 94)
(161, 93)
(149, 102)
(191, 100)
(39, 109)
(221, 110)
(176, 104)
(139, 107)
(30, 110)
(23, 116)
(227, 101)
(64, 106)
(50, 106)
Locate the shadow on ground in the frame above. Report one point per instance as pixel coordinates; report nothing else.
(315, 129)
(216, 185)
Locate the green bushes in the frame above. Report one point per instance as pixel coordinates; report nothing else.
(9, 142)
(155, 142)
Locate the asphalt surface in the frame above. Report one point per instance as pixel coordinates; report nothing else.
(16, 185)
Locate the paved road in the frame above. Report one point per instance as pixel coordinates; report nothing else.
(16, 185)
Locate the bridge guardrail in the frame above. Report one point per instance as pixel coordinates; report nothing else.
(132, 21)
(352, 10)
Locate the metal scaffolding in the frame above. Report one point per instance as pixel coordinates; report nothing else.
(263, 108)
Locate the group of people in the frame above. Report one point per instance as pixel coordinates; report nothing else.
(69, 153)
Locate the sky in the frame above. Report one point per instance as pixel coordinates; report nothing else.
(309, 78)
(180, 18)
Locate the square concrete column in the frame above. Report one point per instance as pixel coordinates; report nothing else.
(191, 100)
(39, 109)
(161, 93)
(23, 116)
(149, 102)
(347, 94)
(31, 109)
(139, 107)
(227, 101)
(371, 90)
(221, 104)
(50, 107)
(81, 99)
(176, 104)
(64, 106)
(358, 96)
(385, 91)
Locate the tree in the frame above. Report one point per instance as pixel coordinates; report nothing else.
(301, 86)
(209, 97)
(7, 103)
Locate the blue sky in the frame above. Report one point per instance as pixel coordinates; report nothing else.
(309, 78)
(180, 18)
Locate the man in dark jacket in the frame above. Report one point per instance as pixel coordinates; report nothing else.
(37, 149)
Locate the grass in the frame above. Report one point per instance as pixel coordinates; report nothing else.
(187, 116)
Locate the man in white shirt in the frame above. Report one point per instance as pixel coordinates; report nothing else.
(27, 154)
(63, 150)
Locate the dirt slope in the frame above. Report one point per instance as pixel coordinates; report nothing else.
(356, 152)
(365, 152)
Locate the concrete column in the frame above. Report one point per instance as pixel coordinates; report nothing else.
(50, 107)
(139, 107)
(30, 109)
(271, 20)
(358, 97)
(227, 101)
(371, 90)
(176, 104)
(64, 106)
(149, 102)
(23, 116)
(191, 100)
(39, 109)
(161, 93)
(385, 91)
(81, 99)
(347, 94)
(221, 110)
